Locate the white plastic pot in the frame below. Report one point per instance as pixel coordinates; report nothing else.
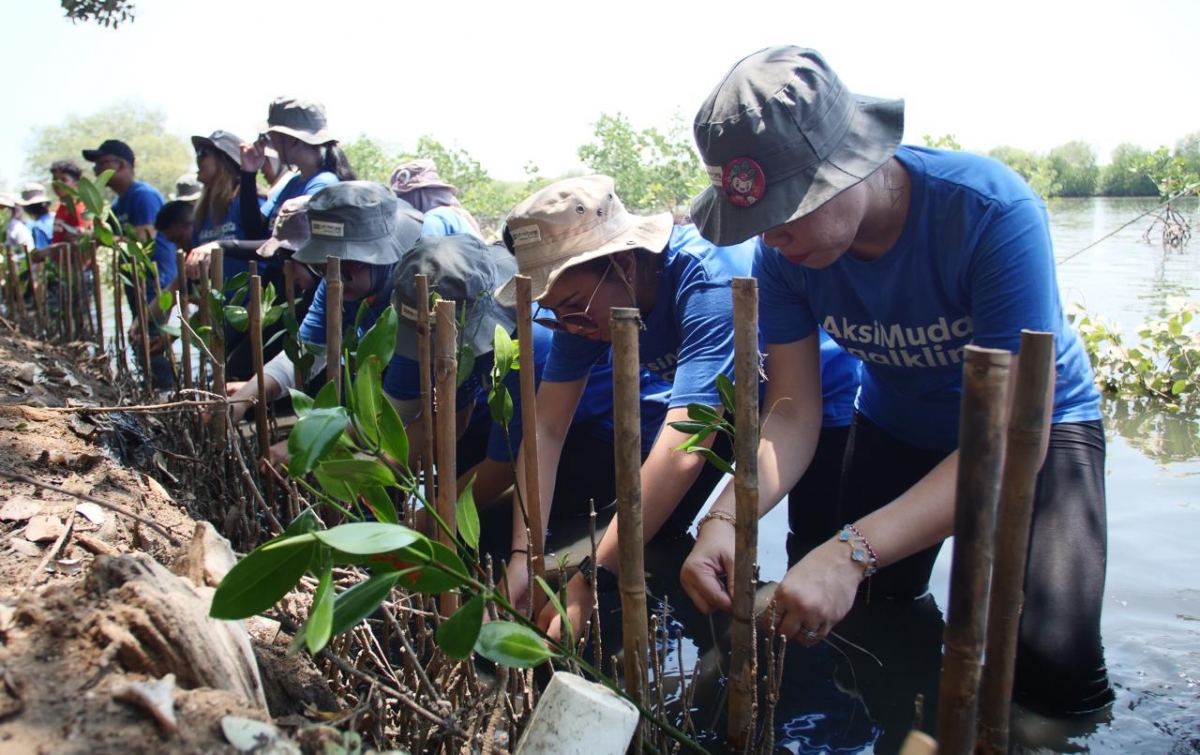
(578, 717)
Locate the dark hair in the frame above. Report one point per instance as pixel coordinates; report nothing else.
(649, 264)
(37, 210)
(173, 214)
(69, 167)
(336, 162)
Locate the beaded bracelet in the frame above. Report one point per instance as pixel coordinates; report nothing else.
(719, 515)
(860, 550)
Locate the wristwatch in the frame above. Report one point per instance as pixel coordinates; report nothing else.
(598, 576)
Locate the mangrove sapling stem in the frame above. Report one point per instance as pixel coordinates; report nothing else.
(205, 316)
(216, 271)
(333, 321)
(97, 292)
(425, 362)
(1026, 432)
(181, 300)
(260, 407)
(99, 502)
(12, 294)
(980, 460)
(743, 660)
(531, 500)
(445, 368)
(140, 313)
(627, 438)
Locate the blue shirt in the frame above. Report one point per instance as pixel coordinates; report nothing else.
(839, 383)
(229, 226)
(594, 413)
(138, 207)
(42, 230)
(688, 338)
(444, 221)
(313, 330)
(296, 187)
(973, 264)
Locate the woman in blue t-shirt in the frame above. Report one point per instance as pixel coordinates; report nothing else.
(903, 256)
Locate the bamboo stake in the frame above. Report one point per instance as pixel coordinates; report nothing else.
(980, 459)
(12, 283)
(260, 408)
(425, 360)
(1026, 431)
(119, 342)
(216, 271)
(532, 498)
(66, 321)
(333, 321)
(445, 365)
(289, 287)
(79, 294)
(743, 660)
(180, 286)
(97, 293)
(205, 316)
(139, 299)
(627, 437)
(37, 281)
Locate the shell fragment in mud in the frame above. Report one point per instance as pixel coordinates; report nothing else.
(156, 698)
(19, 508)
(250, 736)
(43, 529)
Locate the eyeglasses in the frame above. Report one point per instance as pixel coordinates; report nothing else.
(576, 322)
(348, 270)
(203, 152)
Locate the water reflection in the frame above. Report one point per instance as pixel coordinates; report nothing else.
(1163, 436)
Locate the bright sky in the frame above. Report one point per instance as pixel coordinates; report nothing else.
(513, 82)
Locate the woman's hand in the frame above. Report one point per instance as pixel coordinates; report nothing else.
(578, 607)
(516, 577)
(254, 156)
(198, 255)
(817, 593)
(708, 570)
(233, 386)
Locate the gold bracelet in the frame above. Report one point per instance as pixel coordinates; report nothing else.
(719, 515)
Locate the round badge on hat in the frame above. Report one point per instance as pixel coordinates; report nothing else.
(743, 181)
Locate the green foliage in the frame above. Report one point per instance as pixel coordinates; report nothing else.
(1172, 174)
(161, 156)
(372, 159)
(703, 421)
(654, 171)
(107, 13)
(1123, 177)
(1161, 365)
(1035, 169)
(946, 141)
(1187, 149)
(1074, 163)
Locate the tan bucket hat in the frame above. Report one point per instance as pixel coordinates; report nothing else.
(573, 221)
(33, 193)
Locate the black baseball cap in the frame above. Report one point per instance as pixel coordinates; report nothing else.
(114, 147)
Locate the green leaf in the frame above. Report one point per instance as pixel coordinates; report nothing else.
(505, 351)
(262, 578)
(1178, 387)
(695, 440)
(380, 504)
(241, 280)
(429, 566)
(728, 396)
(369, 394)
(327, 397)
(301, 403)
(237, 317)
(172, 330)
(313, 437)
(338, 489)
(500, 402)
(306, 523)
(360, 601)
(166, 300)
(380, 340)
(703, 413)
(690, 427)
(368, 538)
(466, 365)
(513, 645)
(393, 438)
(467, 516)
(558, 606)
(456, 635)
(713, 458)
(320, 618)
(358, 472)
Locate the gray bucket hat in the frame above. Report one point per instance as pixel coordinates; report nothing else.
(573, 221)
(291, 228)
(224, 142)
(187, 188)
(462, 269)
(359, 221)
(780, 136)
(303, 119)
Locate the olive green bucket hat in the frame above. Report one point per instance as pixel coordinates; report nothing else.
(303, 119)
(358, 221)
(780, 136)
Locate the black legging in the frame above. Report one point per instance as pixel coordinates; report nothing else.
(1060, 659)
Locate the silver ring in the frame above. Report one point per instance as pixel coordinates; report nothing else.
(810, 634)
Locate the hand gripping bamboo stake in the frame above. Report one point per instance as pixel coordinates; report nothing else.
(980, 460)
(445, 368)
(260, 408)
(743, 661)
(1026, 431)
(180, 286)
(333, 321)
(425, 361)
(532, 499)
(627, 436)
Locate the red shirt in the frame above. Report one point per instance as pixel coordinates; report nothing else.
(69, 222)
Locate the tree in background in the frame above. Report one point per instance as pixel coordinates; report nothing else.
(1074, 165)
(372, 160)
(1124, 177)
(1188, 150)
(654, 171)
(1175, 180)
(110, 13)
(161, 156)
(1035, 169)
(946, 141)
